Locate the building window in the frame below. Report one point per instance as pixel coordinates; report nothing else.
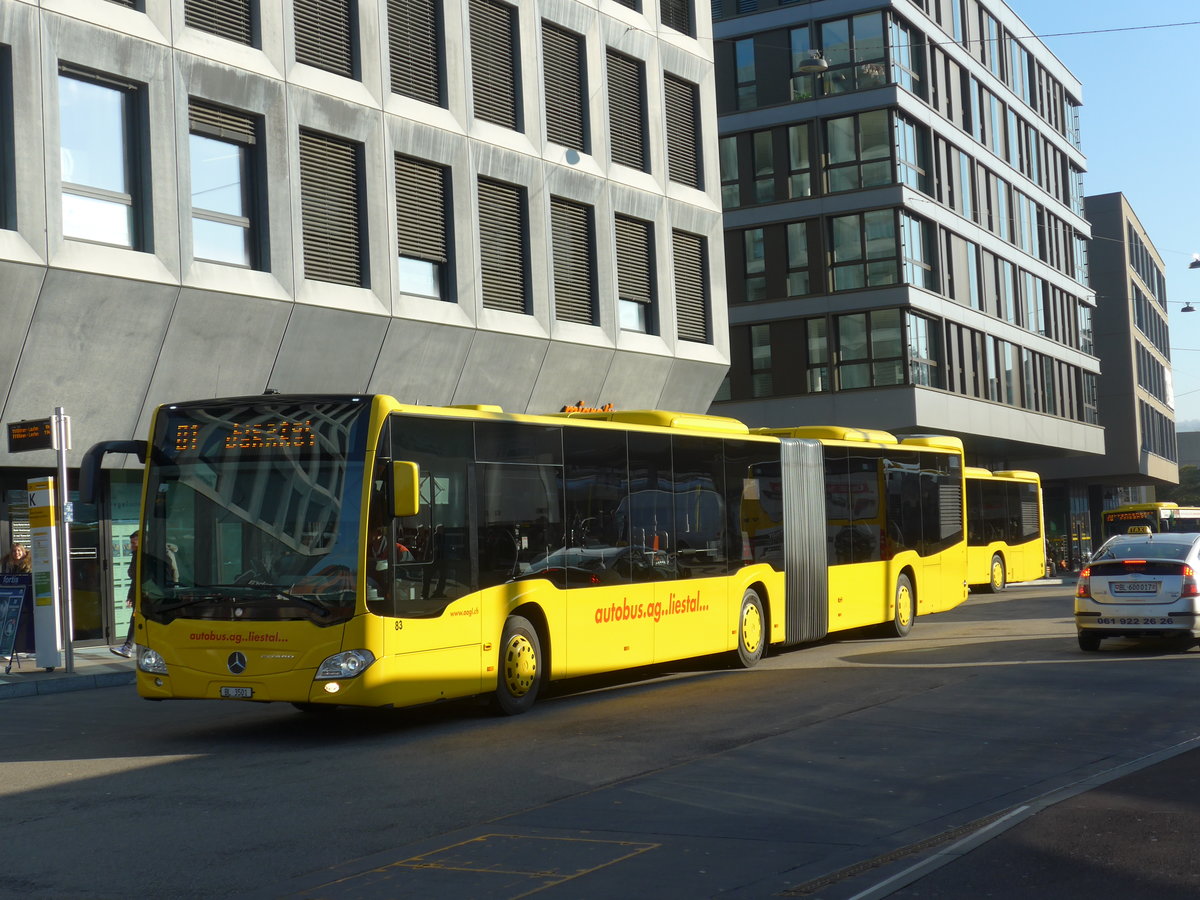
(325, 35)
(799, 162)
(869, 349)
(677, 14)
(799, 258)
(7, 173)
(495, 66)
(422, 232)
(761, 379)
(800, 45)
(221, 145)
(1006, 290)
(1086, 337)
(98, 119)
(1088, 390)
(683, 131)
(963, 271)
(635, 274)
(747, 78)
(755, 255)
(908, 58)
(912, 154)
(415, 51)
(627, 110)
(691, 286)
(917, 246)
(503, 246)
(763, 148)
(998, 206)
(858, 151)
(574, 246)
(854, 49)
(816, 335)
(731, 192)
(330, 194)
(863, 249)
(230, 19)
(1033, 291)
(566, 87)
(922, 350)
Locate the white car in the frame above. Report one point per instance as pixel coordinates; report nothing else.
(1139, 585)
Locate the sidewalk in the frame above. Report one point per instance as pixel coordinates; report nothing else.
(95, 667)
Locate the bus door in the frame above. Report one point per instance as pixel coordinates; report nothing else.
(854, 510)
(693, 611)
(607, 569)
(419, 573)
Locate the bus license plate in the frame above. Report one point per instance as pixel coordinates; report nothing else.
(1134, 587)
(237, 693)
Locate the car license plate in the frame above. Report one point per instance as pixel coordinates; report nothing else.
(1134, 587)
(237, 693)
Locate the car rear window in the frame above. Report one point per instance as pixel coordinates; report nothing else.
(1143, 549)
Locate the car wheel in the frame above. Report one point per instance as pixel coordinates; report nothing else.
(1089, 641)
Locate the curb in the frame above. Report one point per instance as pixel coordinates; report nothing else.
(11, 689)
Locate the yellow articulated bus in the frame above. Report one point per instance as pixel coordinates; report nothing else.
(1005, 544)
(341, 550)
(1134, 518)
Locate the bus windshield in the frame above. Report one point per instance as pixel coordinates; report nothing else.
(252, 511)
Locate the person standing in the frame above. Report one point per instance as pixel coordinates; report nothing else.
(126, 649)
(17, 561)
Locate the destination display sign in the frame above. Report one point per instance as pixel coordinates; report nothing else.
(31, 434)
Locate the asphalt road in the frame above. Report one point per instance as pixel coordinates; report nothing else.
(835, 771)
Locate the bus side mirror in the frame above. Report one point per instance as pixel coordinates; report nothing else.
(406, 488)
(89, 466)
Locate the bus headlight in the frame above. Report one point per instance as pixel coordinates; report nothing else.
(347, 664)
(150, 661)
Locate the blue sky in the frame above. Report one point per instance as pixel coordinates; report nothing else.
(1141, 135)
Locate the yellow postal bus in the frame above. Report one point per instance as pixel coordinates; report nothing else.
(1005, 544)
(338, 550)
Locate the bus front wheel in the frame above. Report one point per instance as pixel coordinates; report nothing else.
(906, 608)
(998, 578)
(519, 674)
(752, 632)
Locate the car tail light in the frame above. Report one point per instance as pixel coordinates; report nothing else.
(1083, 587)
(1190, 586)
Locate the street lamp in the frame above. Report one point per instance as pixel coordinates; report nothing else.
(817, 63)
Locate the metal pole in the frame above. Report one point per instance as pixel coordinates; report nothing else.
(62, 435)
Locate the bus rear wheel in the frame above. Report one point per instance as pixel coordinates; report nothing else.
(998, 579)
(752, 632)
(906, 609)
(519, 673)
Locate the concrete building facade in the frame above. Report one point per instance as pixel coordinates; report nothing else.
(469, 202)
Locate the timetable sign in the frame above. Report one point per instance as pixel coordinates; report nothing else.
(31, 434)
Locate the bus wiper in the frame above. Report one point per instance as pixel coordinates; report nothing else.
(213, 592)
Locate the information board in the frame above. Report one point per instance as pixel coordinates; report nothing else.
(12, 600)
(31, 434)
